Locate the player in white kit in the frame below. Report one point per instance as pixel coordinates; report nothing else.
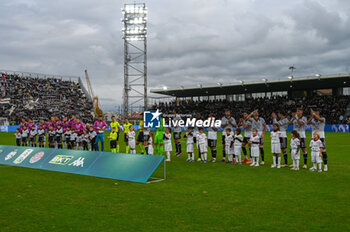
(202, 144)
(229, 145)
(238, 140)
(189, 144)
(150, 140)
(227, 122)
(317, 124)
(254, 142)
(276, 146)
(167, 143)
(283, 124)
(212, 138)
(295, 149)
(299, 123)
(131, 140)
(316, 146)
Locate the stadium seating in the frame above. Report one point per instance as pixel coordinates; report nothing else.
(41, 98)
(333, 108)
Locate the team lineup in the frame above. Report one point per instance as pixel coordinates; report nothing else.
(74, 134)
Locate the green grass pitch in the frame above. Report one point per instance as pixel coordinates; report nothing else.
(195, 197)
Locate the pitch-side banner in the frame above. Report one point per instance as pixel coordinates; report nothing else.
(128, 167)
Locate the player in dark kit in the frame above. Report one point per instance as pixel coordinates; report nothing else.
(227, 122)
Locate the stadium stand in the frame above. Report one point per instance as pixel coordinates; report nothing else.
(333, 108)
(40, 98)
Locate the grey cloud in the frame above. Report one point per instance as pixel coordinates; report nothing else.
(189, 42)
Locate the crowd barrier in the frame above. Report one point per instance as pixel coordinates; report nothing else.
(120, 166)
(343, 128)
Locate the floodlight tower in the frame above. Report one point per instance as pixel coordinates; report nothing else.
(135, 55)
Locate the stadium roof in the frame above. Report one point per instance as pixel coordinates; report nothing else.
(289, 84)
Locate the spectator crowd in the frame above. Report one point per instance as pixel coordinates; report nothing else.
(333, 108)
(39, 99)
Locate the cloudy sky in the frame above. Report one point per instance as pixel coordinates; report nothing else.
(189, 41)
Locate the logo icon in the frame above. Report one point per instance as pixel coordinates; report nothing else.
(151, 119)
(78, 162)
(11, 154)
(23, 156)
(61, 159)
(35, 158)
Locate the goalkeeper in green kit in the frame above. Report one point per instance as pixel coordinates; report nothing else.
(159, 140)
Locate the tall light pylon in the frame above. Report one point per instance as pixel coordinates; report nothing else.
(135, 56)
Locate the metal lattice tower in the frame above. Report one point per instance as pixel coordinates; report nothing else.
(135, 56)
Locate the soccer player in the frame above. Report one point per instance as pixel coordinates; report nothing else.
(85, 139)
(229, 144)
(247, 126)
(195, 136)
(100, 127)
(140, 138)
(41, 136)
(167, 143)
(51, 133)
(254, 142)
(131, 139)
(59, 136)
(146, 140)
(238, 140)
(22, 125)
(126, 127)
(159, 139)
(92, 138)
(226, 122)
(189, 144)
(299, 123)
(260, 125)
(317, 124)
(202, 145)
(150, 140)
(115, 124)
(276, 146)
(113, 137)
(68, 134)
(31, 124)
(295, 149)
(18, 136)
(65, 124)
(177, 134)
(25, 133)
(283, 125)
(32, 136)
(212, 138)
(316, 146)
(73, 139)
(79, 129)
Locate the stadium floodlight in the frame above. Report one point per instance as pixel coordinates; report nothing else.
(290, 77)
(219, 84)
(200, 85)
(135, 55)
(242, 83)
(165, 88)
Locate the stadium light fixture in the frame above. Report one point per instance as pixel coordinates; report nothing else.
(200, 85)
(219, 84)
(165, 88)
(290, 77)
(242, 82)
